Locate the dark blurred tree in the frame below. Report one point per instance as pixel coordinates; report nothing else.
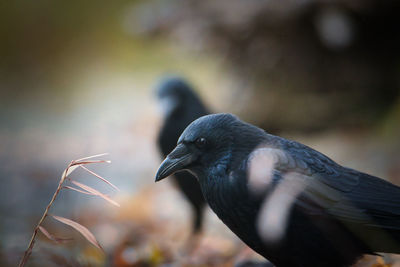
(305, 64)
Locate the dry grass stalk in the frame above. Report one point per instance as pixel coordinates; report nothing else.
(85, 190)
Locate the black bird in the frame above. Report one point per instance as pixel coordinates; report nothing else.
(181, 107)
(336, 214)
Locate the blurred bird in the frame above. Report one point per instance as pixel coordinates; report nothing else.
(180, 106)
(330, 215)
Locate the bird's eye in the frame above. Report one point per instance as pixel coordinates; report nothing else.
(200, 142)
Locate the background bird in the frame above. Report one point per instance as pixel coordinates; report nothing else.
(180, 106)
(330, 215)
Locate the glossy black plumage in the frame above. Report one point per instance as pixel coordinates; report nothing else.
(336, 215)
(181, 107)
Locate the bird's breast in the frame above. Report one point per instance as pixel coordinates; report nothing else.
(232, 205)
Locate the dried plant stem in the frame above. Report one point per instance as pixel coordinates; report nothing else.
(28, 251)
(86, 190)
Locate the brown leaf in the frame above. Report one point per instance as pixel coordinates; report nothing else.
(90, 157)
(81, 229)
(101, 178)
(68, 170)
(52, 237)
(74, 165)
(78, 190)
(89, 162)
(95, 192)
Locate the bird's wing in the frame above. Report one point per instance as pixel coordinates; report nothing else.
(319, 186)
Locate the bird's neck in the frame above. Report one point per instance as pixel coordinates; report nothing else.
(222, 187)
(216, 190)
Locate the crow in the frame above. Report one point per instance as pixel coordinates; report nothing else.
(285, 200)
(181, 106)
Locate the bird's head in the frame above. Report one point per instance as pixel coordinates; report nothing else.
(207, 142)
(172, 92)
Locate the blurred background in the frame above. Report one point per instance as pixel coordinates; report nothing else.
(77, 78)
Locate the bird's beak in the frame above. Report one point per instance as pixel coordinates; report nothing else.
(177, 160)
